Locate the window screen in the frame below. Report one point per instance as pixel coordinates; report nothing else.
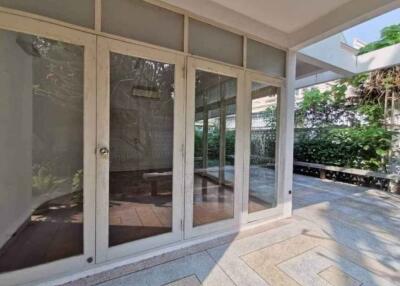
(142, 21)
(78, 12)
(265, 58)
(214, 43)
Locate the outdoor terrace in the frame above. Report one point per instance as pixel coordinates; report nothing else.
(340, 234)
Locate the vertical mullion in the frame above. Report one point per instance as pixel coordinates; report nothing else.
(186, 34)
(97, 16)
(245, 52)
(103, 140)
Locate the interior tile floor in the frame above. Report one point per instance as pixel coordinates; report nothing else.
(55, 230)
(339, 235)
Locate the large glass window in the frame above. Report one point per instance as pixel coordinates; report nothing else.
(262, 188)
(41, 138)
(141, 148)
(215, 126)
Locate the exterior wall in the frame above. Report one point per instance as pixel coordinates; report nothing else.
(16, 122)
(27, 114)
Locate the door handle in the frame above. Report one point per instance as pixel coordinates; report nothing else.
(104, 152)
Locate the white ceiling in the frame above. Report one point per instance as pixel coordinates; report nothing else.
(285, 15)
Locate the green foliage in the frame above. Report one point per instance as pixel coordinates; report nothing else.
(374, 113)
(270, 117)
(340, 131)
(213, 143)
(325, 108)
(363, 147)
(43, 180)
(356, 80)
(77, 181)
(262, 148)
(230, 145)
(198, 141)
(389, 36)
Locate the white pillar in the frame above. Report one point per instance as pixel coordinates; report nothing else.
(286, 135)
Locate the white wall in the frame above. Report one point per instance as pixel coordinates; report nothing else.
(15, 135)
(141, 134)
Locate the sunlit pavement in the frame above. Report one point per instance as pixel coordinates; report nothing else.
(339, 235)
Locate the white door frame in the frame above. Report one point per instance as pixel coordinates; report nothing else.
(194, 64)
(51, 31)
(104, 47)
(253, 76)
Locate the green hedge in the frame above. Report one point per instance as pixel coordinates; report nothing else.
(363, 147)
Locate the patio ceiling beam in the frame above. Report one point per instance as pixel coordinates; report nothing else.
(379, 59)
(322, 58)
(318, 78)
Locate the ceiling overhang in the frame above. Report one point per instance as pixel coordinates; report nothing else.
(286, 30)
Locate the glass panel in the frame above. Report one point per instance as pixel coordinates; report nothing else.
(262, 189)
(41, 135)
(78, 12)
(141, 148)
(142, 21)
(211, 42)
(265, 58)
(215, 126)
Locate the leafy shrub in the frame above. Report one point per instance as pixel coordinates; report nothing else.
(43, 179)
(363, 147)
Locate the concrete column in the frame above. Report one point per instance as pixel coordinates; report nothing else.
(286, 135)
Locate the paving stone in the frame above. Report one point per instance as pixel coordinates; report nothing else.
(305, 269)
(337, 277)
(187, 281)
(199, 264)
(340, 235)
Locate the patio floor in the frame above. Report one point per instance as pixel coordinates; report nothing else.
(339, 235)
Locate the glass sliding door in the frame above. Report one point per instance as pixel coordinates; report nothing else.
(262, 189)
(261, 167)
(46, 173)
(212, 116)
(138, 150)
(215, 126)
(141, 148)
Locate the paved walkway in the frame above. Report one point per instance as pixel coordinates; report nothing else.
(340, 235)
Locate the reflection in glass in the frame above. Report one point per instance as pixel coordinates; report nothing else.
(215, 116)
(41, 135)
(262, 191)
(141, 148)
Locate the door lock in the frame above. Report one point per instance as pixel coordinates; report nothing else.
(89, 259)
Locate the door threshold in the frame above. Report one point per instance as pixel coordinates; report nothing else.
(112, 269)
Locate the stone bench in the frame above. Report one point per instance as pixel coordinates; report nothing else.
(154, 178)
(394, 179)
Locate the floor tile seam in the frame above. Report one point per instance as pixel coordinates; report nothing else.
(194, 274)
(221, 268)
(147, 268)
(349, 259)
(266, 246)
(274, 265)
